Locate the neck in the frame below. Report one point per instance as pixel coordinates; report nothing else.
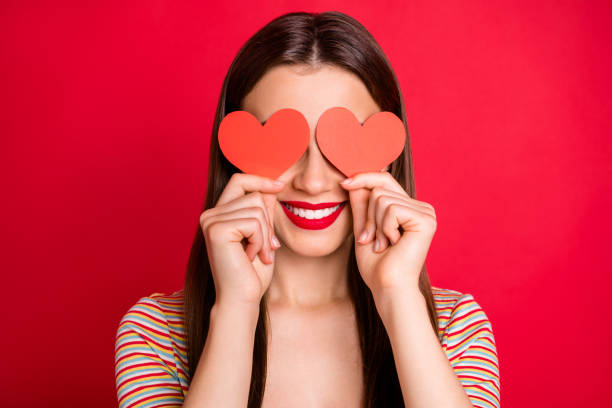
(309, 282)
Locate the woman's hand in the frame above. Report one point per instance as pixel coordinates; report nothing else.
(403, 226)
(242, 271)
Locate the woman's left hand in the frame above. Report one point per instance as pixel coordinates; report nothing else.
(403, 225)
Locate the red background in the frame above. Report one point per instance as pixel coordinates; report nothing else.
(105, 116)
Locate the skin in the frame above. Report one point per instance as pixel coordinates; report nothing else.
(313, 352)
(309, 285)
(310, 268)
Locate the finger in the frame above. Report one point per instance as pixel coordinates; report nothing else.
(242, 183)
(250, 228)
(269, 202)
(255, 212)
(371, 223)
(359, 207)
(237, 230)
(380, 205)
(370, 180)
(378, 208)
(266, 202)
(255, 199)
(390, 213)
(381, 210)
(390, 224)
(386, 181)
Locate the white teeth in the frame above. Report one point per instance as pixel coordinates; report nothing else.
(312, 214)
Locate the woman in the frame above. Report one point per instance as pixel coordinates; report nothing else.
(273, 314)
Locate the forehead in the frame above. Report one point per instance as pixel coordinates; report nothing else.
(310, 91)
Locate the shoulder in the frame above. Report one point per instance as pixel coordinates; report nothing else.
(171, 305)
(466, 336)
(460, 318)
(150, 351)
(158, 311)
(158, 320)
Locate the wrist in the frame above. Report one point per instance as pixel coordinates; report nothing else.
(391, 300)
(235, 310)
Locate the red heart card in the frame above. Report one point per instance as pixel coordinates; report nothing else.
(267, 150)
(354, 148)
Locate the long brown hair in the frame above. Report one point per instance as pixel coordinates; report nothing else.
(312, 39)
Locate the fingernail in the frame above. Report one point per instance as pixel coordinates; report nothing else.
(279, 183)
(371, 233)
(347, 181)
(377, 245)
(363, 236)
(275, 241)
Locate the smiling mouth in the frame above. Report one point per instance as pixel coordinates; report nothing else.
(310, 211)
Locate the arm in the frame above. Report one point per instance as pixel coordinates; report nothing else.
(223, 375)
(469, 345)
(425, 374)
(145, 365)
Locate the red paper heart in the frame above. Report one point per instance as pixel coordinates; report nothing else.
(267, 150)
(354, 148)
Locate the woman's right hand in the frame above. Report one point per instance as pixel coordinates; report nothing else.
(242, 271)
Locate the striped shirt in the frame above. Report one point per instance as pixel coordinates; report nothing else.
(151, 367)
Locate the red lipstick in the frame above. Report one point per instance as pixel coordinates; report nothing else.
(312, 224)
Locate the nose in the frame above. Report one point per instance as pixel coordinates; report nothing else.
(314, 173)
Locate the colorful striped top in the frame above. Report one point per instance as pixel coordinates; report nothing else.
(151, 367)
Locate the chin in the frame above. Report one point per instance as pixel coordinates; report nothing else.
(315, 247)
(316, 243)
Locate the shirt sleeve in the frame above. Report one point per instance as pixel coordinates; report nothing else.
(145, 368)
(470, 347)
